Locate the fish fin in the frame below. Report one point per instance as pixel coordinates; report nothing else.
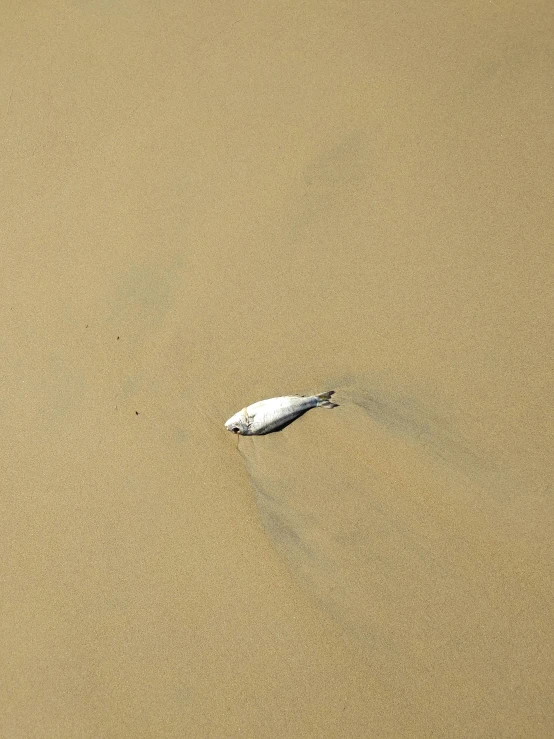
(324, 400)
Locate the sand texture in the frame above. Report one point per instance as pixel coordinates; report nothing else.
(208, 204)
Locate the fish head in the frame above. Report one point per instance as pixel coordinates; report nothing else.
(238, 424)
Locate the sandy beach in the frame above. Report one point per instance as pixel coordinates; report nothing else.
(208, 204)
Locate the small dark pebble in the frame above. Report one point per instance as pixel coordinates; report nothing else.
(136, 413)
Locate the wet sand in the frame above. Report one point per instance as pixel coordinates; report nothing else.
(205, 207)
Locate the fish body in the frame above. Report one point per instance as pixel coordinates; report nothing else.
(276, 413)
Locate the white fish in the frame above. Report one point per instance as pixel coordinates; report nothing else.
(275, 413)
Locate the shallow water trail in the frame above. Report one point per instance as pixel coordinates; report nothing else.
(400, 530)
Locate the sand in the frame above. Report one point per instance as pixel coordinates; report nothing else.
(207, 204)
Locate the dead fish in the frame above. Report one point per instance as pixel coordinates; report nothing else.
(275, 413)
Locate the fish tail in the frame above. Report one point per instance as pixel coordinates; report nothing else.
(324, 400)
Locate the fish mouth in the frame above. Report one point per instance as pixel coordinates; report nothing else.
(235, 429)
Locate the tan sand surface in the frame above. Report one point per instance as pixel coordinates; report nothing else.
(207, 204)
